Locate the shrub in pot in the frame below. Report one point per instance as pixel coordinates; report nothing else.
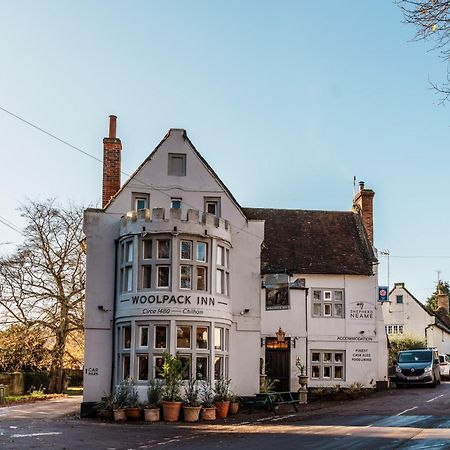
(222, 397)
(133, 409)
(207, 397)
(105, 406)
(120, 399)
(172, 374)
(152, 408)
(191, 402)
(234, 404)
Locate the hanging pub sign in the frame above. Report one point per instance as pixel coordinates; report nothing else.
(277, 291)
(383, 293)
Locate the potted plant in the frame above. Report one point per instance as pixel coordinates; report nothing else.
(172, 373)
(105, 406)
(133, 409)
(234, 404)
(302, 376)
(191, 403)
(120, 399)
(207, 396)
(152, 410)
(222, 398)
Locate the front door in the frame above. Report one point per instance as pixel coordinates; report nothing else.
(278, 356)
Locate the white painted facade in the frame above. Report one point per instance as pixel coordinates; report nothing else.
(220, 326)
(405, 314)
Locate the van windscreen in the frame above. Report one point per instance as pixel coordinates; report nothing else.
(416, 356)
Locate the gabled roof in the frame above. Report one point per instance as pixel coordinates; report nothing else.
(205, 163)
(313, 242)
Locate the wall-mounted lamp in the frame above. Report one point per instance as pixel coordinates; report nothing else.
(294, 339)
(263, 342)
(102, 308)
(244, 311)
(361, 332)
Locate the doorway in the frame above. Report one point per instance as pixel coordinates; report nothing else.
(278, 357)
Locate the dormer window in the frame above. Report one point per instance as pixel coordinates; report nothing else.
(140, 201)
(177, 164)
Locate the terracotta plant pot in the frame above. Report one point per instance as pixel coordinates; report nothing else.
(209, 413)
(171, 411)
(191, 413)
(133, 413)
(152, 414)
(107, 414)
(233, 409)
(120, 415)
(222, 408)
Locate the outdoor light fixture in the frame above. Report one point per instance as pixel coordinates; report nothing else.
(244, 311)
(262, 342)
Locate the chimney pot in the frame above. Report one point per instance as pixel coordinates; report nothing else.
(361, 185)
(112, 126)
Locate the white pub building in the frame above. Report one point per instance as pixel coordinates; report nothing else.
(175, 264)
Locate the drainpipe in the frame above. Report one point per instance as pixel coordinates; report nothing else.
(113, 369)
(426, 334)
(306, 327)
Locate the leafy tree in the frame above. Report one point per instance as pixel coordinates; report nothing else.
(23, 349)
(43, 283)
(403, 342)
(432, 21)
(444, 288)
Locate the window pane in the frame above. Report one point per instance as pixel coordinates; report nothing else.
(146, 277)
(338, 372)
(186, 277)
(227, 258)
(128, 282)
(126, 337)
(338, 357)
(211, 207)
(227, 339)
(187, 363)
(147, 249)
(177, 164)
(129, 251)
(202, 337)
(316, 295)
(143, 341)
(160, 337)
(183, 337)
(126, 366)
(399, 298)
(202, 368)
(186, 250)
(338, 296)
(218, 367)
(201, 251)
(327, 309)
(143, 367)
(316, 357)
(227, 284)
(327, 295)
(202, 284)
(158, 366)
(327, 371)
(163, 276)
(338, 310)
(316, 309)
(327, 357)
(218, 338)
(315, 372)
(176, 203)
(219, 281)
(219, 260)
(164, 249)
(141, 202)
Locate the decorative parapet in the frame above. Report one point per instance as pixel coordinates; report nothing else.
(155, 221)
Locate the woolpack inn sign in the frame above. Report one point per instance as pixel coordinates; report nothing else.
(361, 310)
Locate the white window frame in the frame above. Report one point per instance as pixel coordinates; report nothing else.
(328, 302)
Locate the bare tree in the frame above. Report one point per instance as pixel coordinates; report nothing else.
(43, 283)
(432, 21)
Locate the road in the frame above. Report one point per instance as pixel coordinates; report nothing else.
(414, 418)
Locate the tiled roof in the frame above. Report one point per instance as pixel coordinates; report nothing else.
(307, 242)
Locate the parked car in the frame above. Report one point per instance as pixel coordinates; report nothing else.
(444, 364)
(419, 366)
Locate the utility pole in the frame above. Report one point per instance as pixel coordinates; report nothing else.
(386, 253)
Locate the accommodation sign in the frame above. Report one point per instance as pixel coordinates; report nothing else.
(361, 310)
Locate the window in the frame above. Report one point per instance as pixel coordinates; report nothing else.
(160, 337)
(184, 336)
(185, 277)
(327, 365)
(126, 341)
(163, 248)
(177, 164)
(143, 336)
(328, 303)
(126, 266)
(175, 203)
(202, 337)
(202, 278)
(394, 329)
(163, 276)
(399, 299)
(140, 201)
(142, 363)
(222, 270)
(186, 250)
(147, 247)
(212, 206)
(202, 251)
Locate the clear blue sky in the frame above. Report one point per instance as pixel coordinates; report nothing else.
(287, 101)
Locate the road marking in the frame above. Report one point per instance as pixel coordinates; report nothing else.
(406, 410)
(439, 396)
(35, 434)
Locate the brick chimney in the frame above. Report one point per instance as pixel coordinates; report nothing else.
(442, 303)
(363, 205)
(112, 148)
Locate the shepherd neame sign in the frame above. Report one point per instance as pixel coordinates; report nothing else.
(361, 310)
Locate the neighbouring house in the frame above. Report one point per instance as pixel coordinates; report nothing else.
(174, 263)
(405, 314)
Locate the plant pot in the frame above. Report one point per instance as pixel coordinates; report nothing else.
(209, 413)
(133, 413)
(303, 379)
(107, 414)
(222, 408)
(171, 411)
(191, 413)
(120, 415)
(233, 409)
(152, 414)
